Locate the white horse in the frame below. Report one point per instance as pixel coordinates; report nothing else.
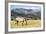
(20, 20)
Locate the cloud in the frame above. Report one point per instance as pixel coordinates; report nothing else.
(26, 7)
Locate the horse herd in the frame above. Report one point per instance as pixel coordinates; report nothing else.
(21, 20)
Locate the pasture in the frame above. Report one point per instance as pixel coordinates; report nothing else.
(30, 24)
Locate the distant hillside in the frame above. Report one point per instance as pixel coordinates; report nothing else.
(35, 14)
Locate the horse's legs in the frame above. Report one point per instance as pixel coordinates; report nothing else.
(26, 22)
(17, 23)
(22, 23)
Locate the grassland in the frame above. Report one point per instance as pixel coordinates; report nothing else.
(30, 24)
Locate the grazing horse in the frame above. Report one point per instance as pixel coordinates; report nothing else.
(20, 20)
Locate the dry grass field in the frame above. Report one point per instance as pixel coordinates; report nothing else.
(30, 24)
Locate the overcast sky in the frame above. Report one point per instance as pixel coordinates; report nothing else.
(26, 7)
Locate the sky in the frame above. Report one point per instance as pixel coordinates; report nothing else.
(26, 7)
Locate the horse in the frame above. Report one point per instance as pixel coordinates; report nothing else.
(20, 20)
